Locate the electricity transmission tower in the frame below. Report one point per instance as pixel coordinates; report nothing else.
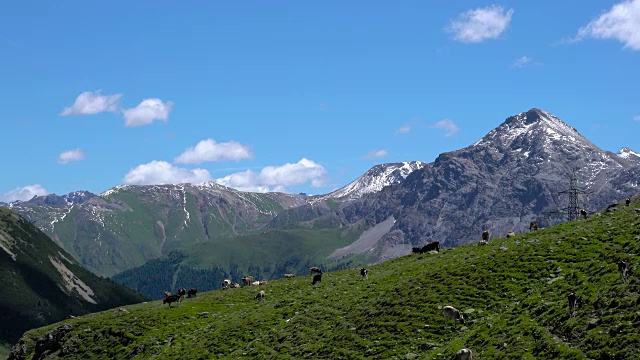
(574, 191)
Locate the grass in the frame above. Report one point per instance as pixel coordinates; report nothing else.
(513, 293)
(4, 351)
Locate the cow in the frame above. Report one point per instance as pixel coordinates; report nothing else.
(247, 280)
(583, 213)
(485, 235)
(364, 273)
(263, 282)
(464, 354)
(235, 286)
(627, 201)
(623, 269)
(166, 294)
(316, 279)
(260, 296)
(511, 234)
(453, 313)
(226, 283)
(171, 299)
(483, 242)
(574, 301)
(289, 276)
(433, 245)
(315, 270)
(182, 292)
(533, 226)
(192, 292)
(416, 250)
(255, 283)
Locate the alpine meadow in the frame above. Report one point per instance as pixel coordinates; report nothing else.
(320, 180)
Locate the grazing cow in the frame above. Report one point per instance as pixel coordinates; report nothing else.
(316, 279)
(574, 300)
(623, 269)
(453, 313)
(433, 245)
(289, 276)
(166, 294)
(182, 292)
(533, 226)
(192, 292)
(628, 201)
(171, 299)
(364, 273)
(483, 242)
(315, 270)
(511, 234)
(464, 354)
(485, 235)
(247, 280)
(226, 283)
(583, 213)
(261, 295)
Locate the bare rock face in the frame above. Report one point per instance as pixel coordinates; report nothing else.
(510, 177)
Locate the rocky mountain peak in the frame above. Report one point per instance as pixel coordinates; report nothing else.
(534, 125)
(375, 179)
(627, 153)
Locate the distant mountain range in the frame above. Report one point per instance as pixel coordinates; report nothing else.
(42, 283)
(515, 174)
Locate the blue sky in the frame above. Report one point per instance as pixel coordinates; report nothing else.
(295, 96)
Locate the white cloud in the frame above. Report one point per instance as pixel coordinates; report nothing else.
(402, 130)
(521, 61)
(147, 111)
(376, 153)
(89, 103)
(209, 150)
(276, 178)
(480, 24)
(448, 125)
(24, 193)
(68, 156)
(636, 118)
(162, 172)
(621, 22)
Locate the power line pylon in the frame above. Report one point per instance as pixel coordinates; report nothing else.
(574, 191)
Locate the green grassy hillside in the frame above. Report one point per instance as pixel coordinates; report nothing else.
(513, 293)
(42, 284)
(267, 255)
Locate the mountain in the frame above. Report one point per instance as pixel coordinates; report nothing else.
(374, 180)
(511, 292)
(515, 174)
(628, 154)
(43, 283)
(128, 225)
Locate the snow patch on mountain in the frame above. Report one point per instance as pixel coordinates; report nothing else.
(374, 180)
(628, 154)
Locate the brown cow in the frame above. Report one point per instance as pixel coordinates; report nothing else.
(533, 226)
(247, 280)
(316, 279)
